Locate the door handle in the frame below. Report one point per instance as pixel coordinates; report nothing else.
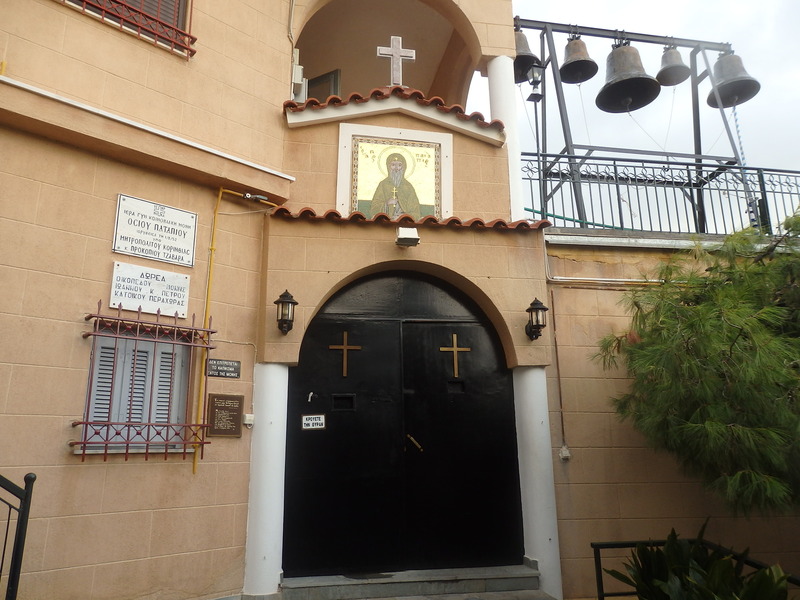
(415, 442)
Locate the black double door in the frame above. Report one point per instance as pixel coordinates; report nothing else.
(401, 442)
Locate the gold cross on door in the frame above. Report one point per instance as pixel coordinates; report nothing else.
(344, 348)
(455, 350)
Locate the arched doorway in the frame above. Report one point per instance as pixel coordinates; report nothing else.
(401, 442)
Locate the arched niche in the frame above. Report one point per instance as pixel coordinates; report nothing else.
(337, 42)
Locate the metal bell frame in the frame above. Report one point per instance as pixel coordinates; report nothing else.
(698, 47)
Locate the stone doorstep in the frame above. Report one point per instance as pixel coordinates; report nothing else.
(516, 582)
(515, 595)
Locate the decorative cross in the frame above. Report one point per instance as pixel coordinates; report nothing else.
(344, 348)
(455, 350)
(398, 54)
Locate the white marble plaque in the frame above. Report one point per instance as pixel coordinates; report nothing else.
(155, 231)
(151, 289)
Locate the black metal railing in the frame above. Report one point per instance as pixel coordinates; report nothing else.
(598, 548)
(18, 509)
(678, 194)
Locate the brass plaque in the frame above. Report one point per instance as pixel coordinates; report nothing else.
(225, 415)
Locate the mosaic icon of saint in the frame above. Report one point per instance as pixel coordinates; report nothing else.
(395, 195)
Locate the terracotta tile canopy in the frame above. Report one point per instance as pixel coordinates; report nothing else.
(383, 93)
(390, 99)
(335, 216)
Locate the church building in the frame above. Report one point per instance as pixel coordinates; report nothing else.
(277, 320)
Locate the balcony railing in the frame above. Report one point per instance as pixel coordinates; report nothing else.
(700, 195)
(18, 508)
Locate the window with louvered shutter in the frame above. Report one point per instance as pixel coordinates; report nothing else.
(138, 382)
(138, 393)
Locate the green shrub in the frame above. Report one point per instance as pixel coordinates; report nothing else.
(689, 570)
(713, 356)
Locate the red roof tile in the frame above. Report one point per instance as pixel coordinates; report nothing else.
(407, 221)
(405, 93)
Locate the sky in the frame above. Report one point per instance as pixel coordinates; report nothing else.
(764, 34)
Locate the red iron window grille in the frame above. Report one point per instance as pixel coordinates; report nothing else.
(138, 391)
(163, 22)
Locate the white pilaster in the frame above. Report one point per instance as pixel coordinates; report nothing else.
(539, 519)
(264, 548)
(503, 103)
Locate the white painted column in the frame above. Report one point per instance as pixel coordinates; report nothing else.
(503, 103)
(539, 519)
(264, 546)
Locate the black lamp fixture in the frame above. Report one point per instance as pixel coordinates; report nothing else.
(285, 304)
(537, 319)
(535, 79)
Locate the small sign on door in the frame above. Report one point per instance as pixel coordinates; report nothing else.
(313, 421)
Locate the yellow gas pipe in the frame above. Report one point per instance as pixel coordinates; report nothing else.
(199, 414)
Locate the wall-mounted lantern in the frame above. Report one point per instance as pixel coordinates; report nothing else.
(537, 319)
(285, 304)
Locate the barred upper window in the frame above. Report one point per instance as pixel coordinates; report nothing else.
(138, 390)
(164, 22)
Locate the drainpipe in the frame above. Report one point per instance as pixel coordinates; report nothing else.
(212, 249)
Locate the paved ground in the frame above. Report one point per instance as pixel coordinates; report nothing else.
(518, 595)
(513, 582)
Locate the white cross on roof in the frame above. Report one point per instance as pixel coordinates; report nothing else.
(398, 54)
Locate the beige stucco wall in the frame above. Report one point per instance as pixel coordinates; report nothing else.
(112, 529)
(135, 529)
(88, 112)
(224, 97)
(615, 488)
(500, 270)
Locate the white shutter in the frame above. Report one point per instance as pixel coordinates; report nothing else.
(138, 381)
(163, 393)
(136, 390)
(102, 386)
(119, 389)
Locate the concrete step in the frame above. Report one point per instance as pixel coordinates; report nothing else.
(517, 595)
(516, 582)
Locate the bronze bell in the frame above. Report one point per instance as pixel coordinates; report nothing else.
(735, 86)
(673, 70)
(627, 85)
(578, 66)
(525, 59)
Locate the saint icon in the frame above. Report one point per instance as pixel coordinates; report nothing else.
(395, 195)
